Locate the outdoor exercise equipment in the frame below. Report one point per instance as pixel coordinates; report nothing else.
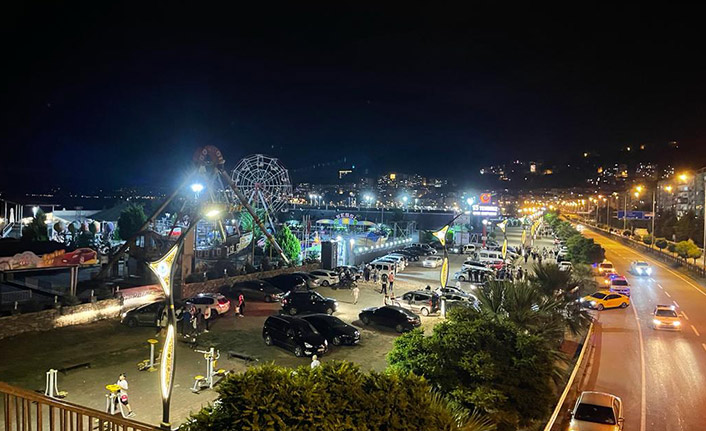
(206, 382)
(112, 403)
(51, 386)
(149, 364)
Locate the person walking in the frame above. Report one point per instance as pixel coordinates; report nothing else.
(207, 318)
(526, 256)
(241, 305)
(366, 272)
(355, 291)
(383, 281)
(315, 362)
(375, 275)
(122, 394)
(196, 320)
(185, 322)
(391, 280)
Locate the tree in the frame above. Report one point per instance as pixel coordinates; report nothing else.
(647, 239)
(688, 250)
(549, 278)
(584, 250)
(690, 227)
(131, 220)
(665, 222)
(289, 243)
(333, 396)
(661, 243)
(482, 364)
(36, 230)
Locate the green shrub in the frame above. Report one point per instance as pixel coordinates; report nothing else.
(334, 396)
(661, 243)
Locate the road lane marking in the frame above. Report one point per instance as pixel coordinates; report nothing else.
(685, 316)
(643, 378)
(675, 304)
(695, 331)
(703, 345)
(660, 286)
(655, 261)
(667, 293)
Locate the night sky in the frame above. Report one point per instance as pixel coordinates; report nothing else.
(123, 96)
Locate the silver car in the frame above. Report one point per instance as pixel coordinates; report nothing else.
(326, 277)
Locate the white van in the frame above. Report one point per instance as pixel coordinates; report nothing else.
(489, 256)
(385, 267)
(469, 249)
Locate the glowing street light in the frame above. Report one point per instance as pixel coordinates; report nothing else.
(197, 188)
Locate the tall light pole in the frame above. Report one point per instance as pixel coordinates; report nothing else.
(654, 215)
(165, 269)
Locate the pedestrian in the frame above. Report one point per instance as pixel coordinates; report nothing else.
(355, 291)
(526, 256)
(366, 273)
(315, 362)
(241, 305)
(428, 288)
(185, 322)
(383, 280)
(122, 393)
(391, 280)
(207, 317)
(196, 320)
(375, 275)
(539, 259)
(519, 274)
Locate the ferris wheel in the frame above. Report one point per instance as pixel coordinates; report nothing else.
(264, 182)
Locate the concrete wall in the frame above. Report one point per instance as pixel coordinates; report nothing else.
(57, 318)
(190, 289)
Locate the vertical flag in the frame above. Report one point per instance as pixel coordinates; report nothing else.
(504, 248)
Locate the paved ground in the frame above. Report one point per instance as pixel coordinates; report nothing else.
(111, 348)
(660, 375)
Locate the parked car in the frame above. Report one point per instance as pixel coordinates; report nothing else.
(474, 264)
(144, 315)
(565, 266)
(355, 272)
(640, 267)
(307, 302)
(336, 331)
(432, 262)
(327, 277)
(597, 411)
(312, 281)
(419, 301)
(398, 261)
(218, 303)
(602, 300)
(256, 290)
(391, 316)
(426, 248)
(80, 256)
(416, 250)
(410, 255)
(620, 285)
(294, 334)
(605, 266)
(288, 282)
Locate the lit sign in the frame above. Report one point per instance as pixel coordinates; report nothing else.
(485, 198)
(485, 210)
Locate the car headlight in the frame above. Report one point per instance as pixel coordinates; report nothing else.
(593, 302)
(123, 315)
(656, 322)
(582, 300)
(676, 323)
(307, 345)
(649, 271)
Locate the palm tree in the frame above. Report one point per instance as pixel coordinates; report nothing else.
(549, 278)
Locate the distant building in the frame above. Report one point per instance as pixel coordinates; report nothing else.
(682, 194)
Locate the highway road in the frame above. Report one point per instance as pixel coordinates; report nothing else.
(660, 375)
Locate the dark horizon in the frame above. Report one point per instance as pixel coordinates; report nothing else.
(114, 96)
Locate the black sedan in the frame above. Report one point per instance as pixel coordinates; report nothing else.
(288, 282)
(391, 316)
(336, 331)
(257, 290)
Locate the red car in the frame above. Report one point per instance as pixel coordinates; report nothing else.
(79, 256)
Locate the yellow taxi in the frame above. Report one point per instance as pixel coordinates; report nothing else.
(666, 317)
(600, 300)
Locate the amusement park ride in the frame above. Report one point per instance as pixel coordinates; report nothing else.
(258, 185)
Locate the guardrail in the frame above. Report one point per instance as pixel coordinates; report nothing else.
(7, 229)
(18, 296)
(557, 422)
(25, 410)
(654, 252)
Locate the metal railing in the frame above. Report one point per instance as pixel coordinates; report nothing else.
(557, 422)
(17, 296)
(7, 229)
(25, 410)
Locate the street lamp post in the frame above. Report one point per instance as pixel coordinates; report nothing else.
(654, 215)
